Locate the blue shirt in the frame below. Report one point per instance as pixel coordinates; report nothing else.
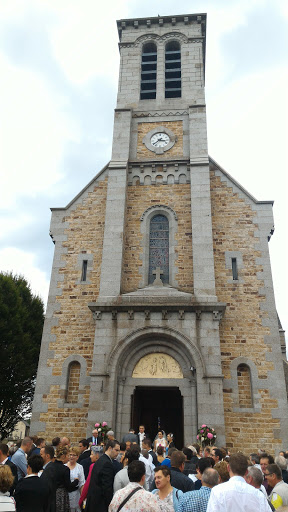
(195, 501)
(19, 459)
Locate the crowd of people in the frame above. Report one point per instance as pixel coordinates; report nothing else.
(138, 474)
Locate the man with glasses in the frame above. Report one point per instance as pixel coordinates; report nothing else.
(279, 494)
(100, 490)
(217, 455)
(266, 459)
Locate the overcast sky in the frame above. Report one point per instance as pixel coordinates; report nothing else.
(59, 70)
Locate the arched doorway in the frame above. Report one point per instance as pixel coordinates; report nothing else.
(158, 408)
(140, 383)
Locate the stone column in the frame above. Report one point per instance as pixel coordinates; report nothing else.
(111, 268)
(202, 239)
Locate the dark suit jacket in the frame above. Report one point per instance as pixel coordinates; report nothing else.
(181, 481)
(154, 457)
(117, 466)
(13, 468)
(100, 490)
(189, 468)
(133, 438)
(56, 475)
(84, 455)
(31, 494)
(85, 463)
(90, 440)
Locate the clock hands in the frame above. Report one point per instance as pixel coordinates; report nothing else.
(159, 140)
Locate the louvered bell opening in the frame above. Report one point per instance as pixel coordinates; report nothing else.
(148, 72)
(173, 70)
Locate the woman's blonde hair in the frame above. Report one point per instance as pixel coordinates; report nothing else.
(222, 468)
(61, 450)
(6, 478)
(75, 450)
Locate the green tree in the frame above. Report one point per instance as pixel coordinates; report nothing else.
(21, 324)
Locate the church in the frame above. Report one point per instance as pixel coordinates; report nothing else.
(161, 307)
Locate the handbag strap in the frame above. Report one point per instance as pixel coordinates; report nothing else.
(128, 497)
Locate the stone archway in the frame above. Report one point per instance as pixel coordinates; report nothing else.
(152, 343)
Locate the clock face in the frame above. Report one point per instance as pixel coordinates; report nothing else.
(160, 140)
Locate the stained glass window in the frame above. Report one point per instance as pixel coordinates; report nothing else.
(159, 248)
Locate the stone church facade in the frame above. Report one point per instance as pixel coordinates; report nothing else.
(161, 308)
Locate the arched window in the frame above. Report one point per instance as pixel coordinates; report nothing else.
(173, 70)
(159, 248)
(73, 381)
(148, 72)
(244, 386)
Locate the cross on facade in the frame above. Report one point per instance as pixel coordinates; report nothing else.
(157, 280)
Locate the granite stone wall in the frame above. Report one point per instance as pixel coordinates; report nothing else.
(139, 198)
(68, 335)
(245, 332)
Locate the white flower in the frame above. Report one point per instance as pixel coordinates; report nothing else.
(202, 438)
(99, 429)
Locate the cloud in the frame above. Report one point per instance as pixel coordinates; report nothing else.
(33, 135)
(12, 258)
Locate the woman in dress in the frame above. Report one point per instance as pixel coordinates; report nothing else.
(160, 440)
(7, 503)
(160, 454)
(170, 441)
(76, 472)
(62, 479)
(167, 496)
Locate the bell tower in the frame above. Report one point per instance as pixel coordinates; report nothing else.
(160, 133)
(158, 243)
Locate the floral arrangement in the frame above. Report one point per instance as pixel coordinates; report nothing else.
(102, 431)
(206, 435)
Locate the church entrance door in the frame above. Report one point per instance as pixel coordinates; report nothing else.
(158, 406)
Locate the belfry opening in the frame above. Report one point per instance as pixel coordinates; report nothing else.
(158, 408)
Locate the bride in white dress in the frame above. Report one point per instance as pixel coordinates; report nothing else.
(160, 440)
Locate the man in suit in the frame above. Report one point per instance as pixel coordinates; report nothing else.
(49, 476)
(40, 442)
(84, 449)
(4, 450)
(131, 436)
(94, 438)
(100, 490)
(31, 492)
(142, 435)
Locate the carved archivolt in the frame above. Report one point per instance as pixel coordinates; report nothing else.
(156, 37)
(175, 35)
(157, 206)
(157, 366)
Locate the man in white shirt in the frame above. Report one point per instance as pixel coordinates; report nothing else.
(236, 495)
(141, 435)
